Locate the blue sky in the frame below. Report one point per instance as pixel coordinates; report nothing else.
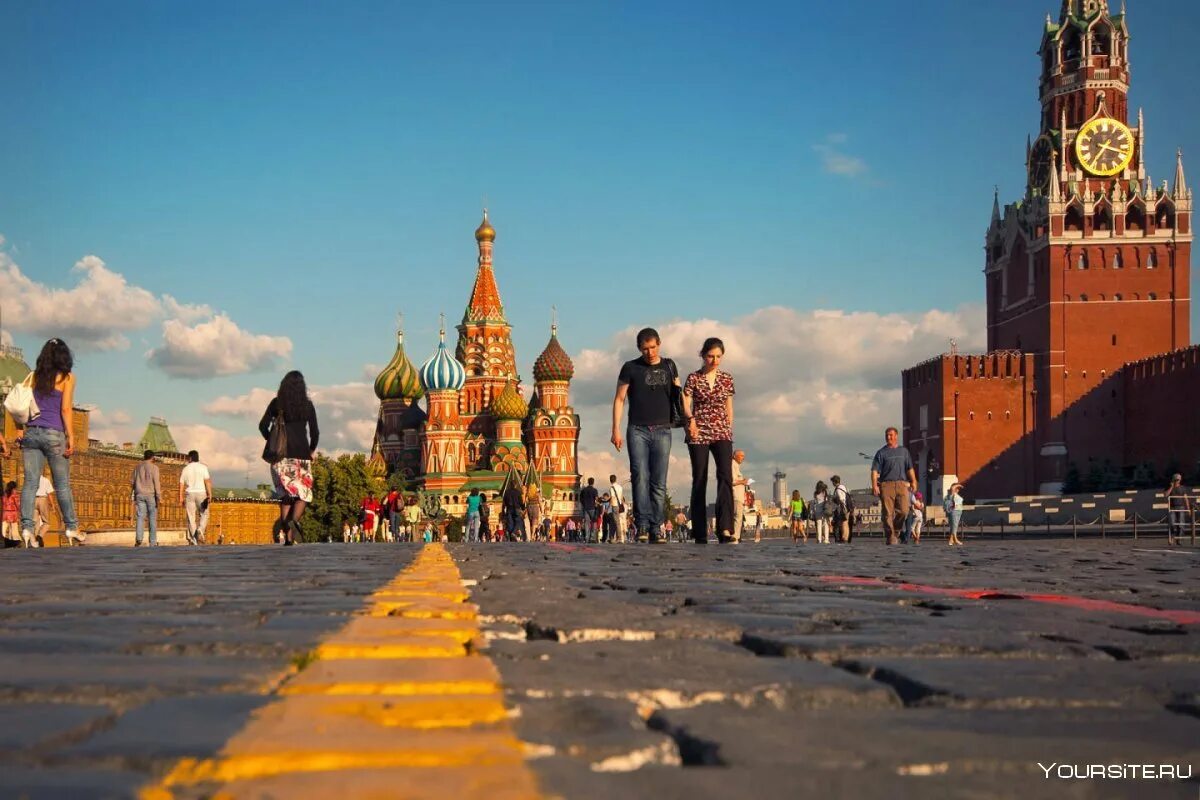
(310, 169)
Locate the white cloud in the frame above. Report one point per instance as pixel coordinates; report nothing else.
(835, 160)
(184, 311)
(6, 338)
(114, 426)
(214, 347)
(227, 455)
(814, 387)
(92, 315)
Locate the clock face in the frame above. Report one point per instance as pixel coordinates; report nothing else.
(1041, 163)
(1104, 146)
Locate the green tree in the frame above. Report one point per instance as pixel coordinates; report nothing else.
(1073, 482)
(339, 486)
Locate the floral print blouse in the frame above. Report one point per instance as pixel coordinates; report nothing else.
(708, 407)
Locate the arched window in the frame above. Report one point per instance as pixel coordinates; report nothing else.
(1118, 262)
(1152, 258)
(1118, 297)
(1102, 218)
(1166, 216)
(1081, 262)
(1072, 45)
(1074, 220)
(1083, 298)
(1135, 218)
(1102, 41)
(1152, 296)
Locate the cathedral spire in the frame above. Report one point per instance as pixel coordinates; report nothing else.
(1055, 185)
(485, 296)
(995, 206)
(1141, 145)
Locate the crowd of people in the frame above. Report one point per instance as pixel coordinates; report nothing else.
(650, 387)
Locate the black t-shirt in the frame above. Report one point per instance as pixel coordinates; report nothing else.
(587, 497)
(649, 390)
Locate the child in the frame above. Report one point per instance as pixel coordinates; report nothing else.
(12, 515)
(346, 531)
(797, 515)
(916, 516)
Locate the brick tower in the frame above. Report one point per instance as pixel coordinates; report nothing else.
(1088, 271)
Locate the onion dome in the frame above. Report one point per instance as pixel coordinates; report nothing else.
(399, 379)
(509, 404)
(376, 465)
(485, 232)
(553, 364)
(443, 372)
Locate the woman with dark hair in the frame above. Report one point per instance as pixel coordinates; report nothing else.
(49, 438)
(708, 409)
(292, 474)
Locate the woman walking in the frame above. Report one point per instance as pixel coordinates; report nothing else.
(708, 409)
(49, 438)
(292, 474)
(817, 510)
(798, 513)
(953, 505)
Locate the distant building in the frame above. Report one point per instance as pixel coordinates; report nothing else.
(1088, 295)
(780, 490)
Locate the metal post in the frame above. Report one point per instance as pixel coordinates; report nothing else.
(1002, 527)
(1047, 525)
(1193, 526)
(1102, 531)
(1135, 516)
(1074, 528)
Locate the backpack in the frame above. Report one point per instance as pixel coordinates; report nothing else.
(829, 507)
(841, 508)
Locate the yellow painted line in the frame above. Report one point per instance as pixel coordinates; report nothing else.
(396, 698)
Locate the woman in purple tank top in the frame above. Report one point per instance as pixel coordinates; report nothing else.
(49, 439)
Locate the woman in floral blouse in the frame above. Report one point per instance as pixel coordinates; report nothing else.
(708, 407)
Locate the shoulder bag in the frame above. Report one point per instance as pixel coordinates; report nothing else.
(276, 448)
(20, 404)
(678, 420)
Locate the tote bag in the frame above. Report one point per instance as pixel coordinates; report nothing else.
(20, 403)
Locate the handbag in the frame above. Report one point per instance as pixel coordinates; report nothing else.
(20, 403)
(276, 448)
(678, 420)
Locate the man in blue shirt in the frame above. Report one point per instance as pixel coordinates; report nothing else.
(892, 478)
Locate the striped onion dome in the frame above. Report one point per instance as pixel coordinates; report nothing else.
(443, 371)
(509, 404)
(399, 379)
(553, 364)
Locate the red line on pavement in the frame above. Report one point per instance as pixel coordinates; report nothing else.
(583, 548)
(1179, 617)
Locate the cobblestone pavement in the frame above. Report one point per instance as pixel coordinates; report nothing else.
(780, 671)
(669, 671)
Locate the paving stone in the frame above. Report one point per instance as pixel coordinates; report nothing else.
(27, 725)
(173, 727)
(65, 783)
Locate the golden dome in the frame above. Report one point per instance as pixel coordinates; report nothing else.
(509, 404)
(485, 232)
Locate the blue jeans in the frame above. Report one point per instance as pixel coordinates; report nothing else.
(955, 519)
(649, 454)
(472, 526)
(147, 508)
(42, 445)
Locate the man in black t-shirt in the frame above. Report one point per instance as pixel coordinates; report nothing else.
(588, 499)
(646, 383)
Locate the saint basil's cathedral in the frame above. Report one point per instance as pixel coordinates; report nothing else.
(476, 430)
(1089, 366)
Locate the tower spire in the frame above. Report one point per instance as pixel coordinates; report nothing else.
(995, 206)
(1141, 146)
(1055, 185)
(1181, 189)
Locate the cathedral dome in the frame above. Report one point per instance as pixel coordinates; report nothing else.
(553, 364)
(443, 371)
(399, 379)
(509, 404)
(485, 232)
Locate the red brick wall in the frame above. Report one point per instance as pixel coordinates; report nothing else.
(1161, 424)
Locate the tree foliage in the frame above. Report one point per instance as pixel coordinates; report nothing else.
(339, 486)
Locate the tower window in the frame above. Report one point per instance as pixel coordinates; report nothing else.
(1153, 296)
(1118, 262)
(1083, 298)
(1166, 217)
(1118, 297)
(1082, 261)
(1152, 259)
(1102, 218)
(1114, 340)
(1074, 220)
(1135, 219)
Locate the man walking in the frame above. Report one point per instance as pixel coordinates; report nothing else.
(618, 500)
(147, 491)
(646, 382)
(589, 501)
(739, 495)
(195, 493)
(1178, 507)
(892, 478)
(839, 495)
